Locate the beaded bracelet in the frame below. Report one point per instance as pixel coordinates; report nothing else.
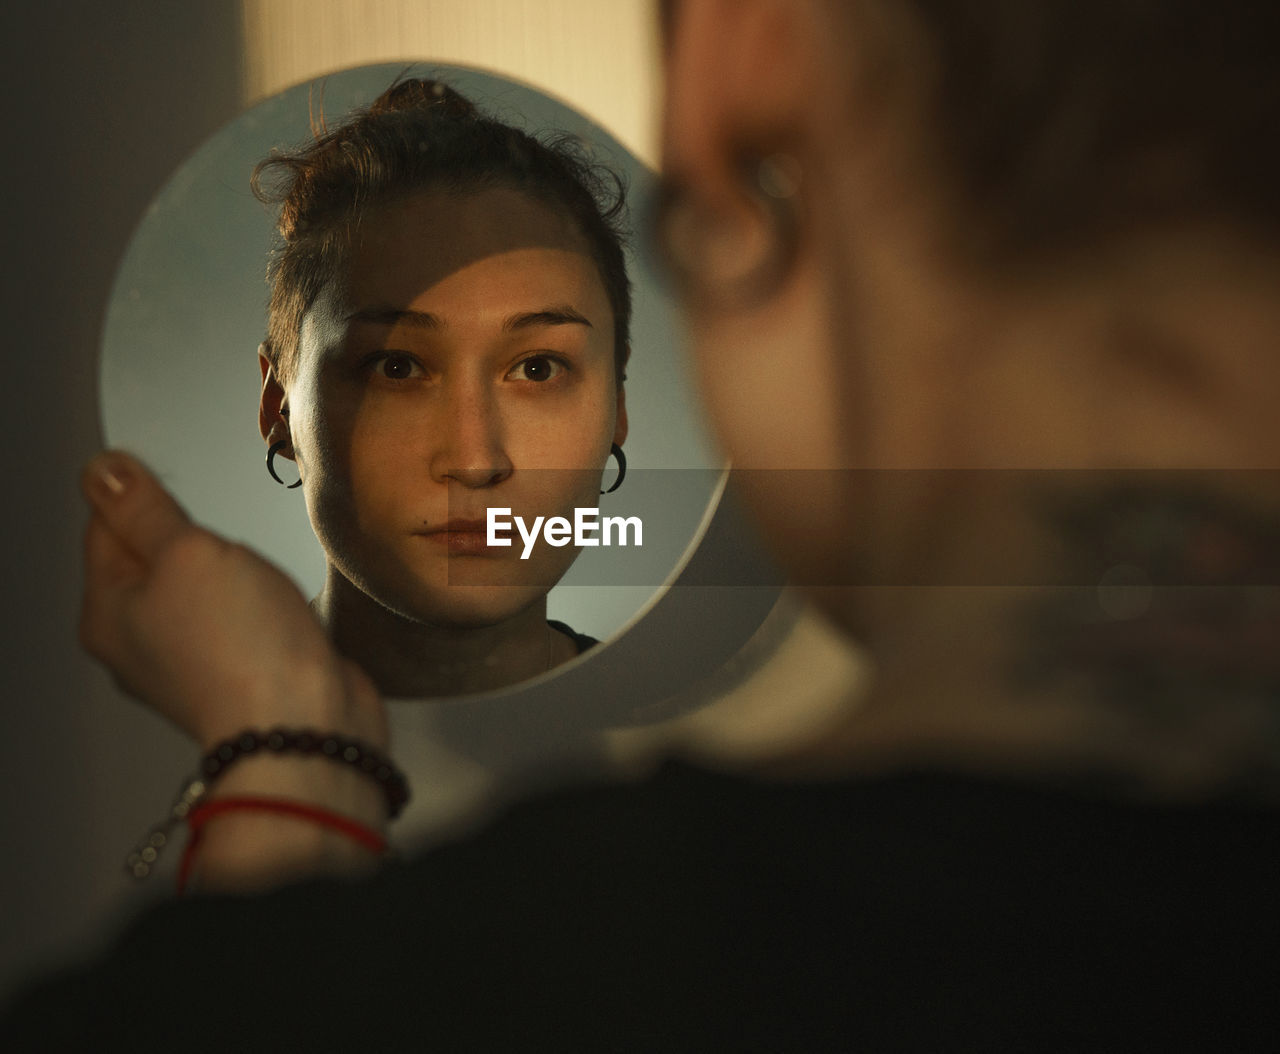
(360, 756)
(352, 752)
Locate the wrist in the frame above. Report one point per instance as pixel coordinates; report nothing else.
(251, 850)
(344, 752)
(250, 843)
(315, 780)
(337, 782)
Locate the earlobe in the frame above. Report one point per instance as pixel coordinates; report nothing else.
(620, 427)
(271, 413)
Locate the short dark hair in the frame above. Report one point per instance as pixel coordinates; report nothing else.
(418, 135)
(1058, 120)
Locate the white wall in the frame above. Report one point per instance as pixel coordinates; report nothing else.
(599, 55)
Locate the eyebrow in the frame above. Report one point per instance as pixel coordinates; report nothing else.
(552, 316)
(561, 315)
(389, 316)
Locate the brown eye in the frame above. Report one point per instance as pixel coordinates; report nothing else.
(398, 367)
(538, 368)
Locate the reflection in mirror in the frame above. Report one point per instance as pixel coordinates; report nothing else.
(450, 319)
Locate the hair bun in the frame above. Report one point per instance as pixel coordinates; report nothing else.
(420, 93)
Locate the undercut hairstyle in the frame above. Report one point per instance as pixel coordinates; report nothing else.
(1062, 120)
(421, 135)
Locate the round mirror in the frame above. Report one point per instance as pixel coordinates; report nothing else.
(180, 385)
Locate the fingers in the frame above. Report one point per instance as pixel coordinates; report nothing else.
(107, 563)
(132, 506)
(110, 570)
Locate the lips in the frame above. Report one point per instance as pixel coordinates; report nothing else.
(460, 527)
(466, 537)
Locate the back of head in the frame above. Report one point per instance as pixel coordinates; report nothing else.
(422, 135)
(1022, 269)
(1063, 120)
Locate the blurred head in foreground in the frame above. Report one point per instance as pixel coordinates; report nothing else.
(984, 301)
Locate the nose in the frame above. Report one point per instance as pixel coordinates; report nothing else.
(470, 450)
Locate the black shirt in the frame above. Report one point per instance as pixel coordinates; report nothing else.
(703, 912)
(581, 640)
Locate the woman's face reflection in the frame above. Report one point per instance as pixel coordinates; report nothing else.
(466, 361)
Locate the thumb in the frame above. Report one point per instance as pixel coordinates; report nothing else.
(131, 503)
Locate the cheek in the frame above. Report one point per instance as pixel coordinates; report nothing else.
(766, 416)
(322, 423)
(769, 382)
(559, 459)
(777, 406)
(559, 432)
(357, 469)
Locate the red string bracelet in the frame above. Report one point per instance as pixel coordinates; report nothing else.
(203, 813)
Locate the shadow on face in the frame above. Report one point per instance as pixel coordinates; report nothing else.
(466, 362)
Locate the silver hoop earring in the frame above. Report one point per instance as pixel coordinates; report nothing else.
(616, 451)
(275, 447)
(732, 256)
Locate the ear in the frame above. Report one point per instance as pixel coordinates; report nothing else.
(740, 79)
(620, 417)
(272, 422)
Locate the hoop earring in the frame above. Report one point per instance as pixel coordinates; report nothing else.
(732, 257)
(616, 451)
(271, 467)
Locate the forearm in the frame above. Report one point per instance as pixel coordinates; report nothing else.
(223, 644)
